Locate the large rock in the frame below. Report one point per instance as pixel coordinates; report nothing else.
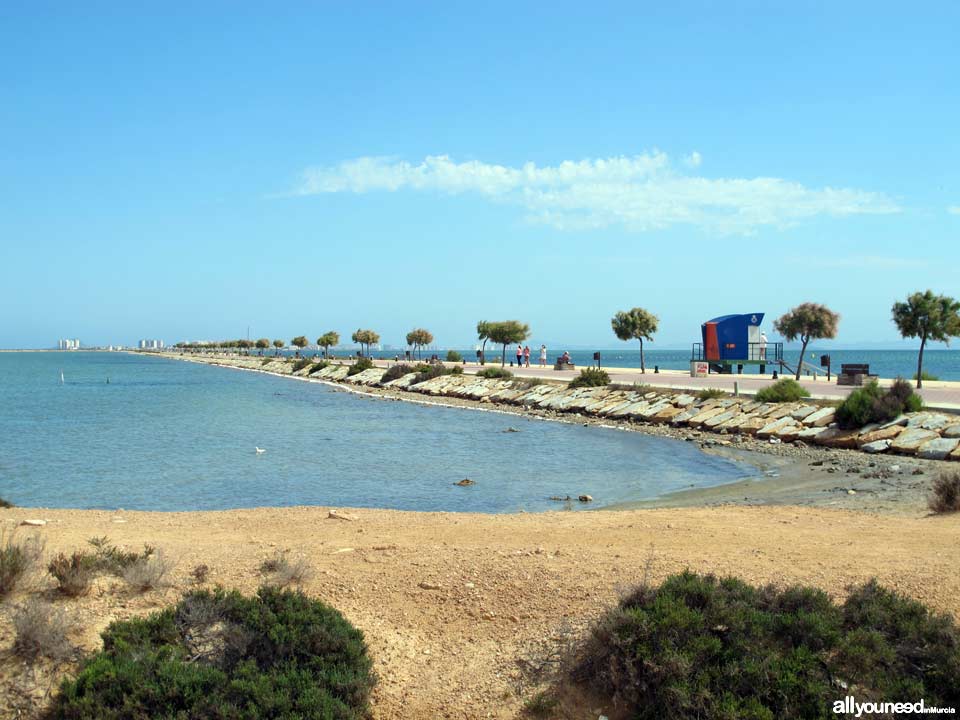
(953, 431)
(683, 401)
(837, 438)
(820, 418)
(938, 448)
(877, 446)
(717, 420)
(955, 455)
(803, 411)
(881, 434)
(771, 428)
(666, 414)
(702, 417)
(910, 440)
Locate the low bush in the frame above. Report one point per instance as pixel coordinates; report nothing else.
(74, 573)
(40, 631)
(17, 559)
(395, 372)
(283, 571)
(699, 646)
(926, 376)
(435, 371)
(6, 503)
(359, 366)
(495, 372)
(148, 573)
(527, 383)
(873, 404)
(109, 558)
(945, 493)
(785, 390)
(221, 655)
(454, 356)
(591, 377)
(301, 364)
(711, 394)
(318, 366)
(200, 573)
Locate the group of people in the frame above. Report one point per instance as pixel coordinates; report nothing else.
(523, 356)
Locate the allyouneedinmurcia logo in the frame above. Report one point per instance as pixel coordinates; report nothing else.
(850, 707)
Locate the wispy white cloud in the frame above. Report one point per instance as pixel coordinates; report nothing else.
(641, 193)
(693, 160)
(859, 262)
(954, 209)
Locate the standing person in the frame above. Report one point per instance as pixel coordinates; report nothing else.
(526, 356)
(519, 356)
(543, 356)
(763, 345)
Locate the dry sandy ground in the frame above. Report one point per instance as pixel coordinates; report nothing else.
(450, 602)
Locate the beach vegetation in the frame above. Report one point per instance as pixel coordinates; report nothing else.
(635, 324)
(506, 332)
(418, 338)
(40, 630)
(945, 493)
(17, 559)
(395, 372)
(301, 364)
(114, 560)
(434, 371)
(495, 373)
(6, 503)
(928, 317)
(706, 647)
(541, 705)
(785, 390)
(359, 366)
(200, 573)
(807, 321)
(281, 571)
(711, 394)
(483, 334)
(527, 383)
(591, 377)
(222, 655)
(454, 356)
(318, 366)
(365, 338)
(328, 340)
(74, 573)
(874, 404)
(148, 573)
(925, 376)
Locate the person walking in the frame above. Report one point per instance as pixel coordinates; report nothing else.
(526, 356)
(519, 356)
(543, 356)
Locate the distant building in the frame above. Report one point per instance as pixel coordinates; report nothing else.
(151, 345)
(68, 344)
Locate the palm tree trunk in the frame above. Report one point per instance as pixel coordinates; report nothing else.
(923, 341)
(643, 366)
(483, 352)
(503, 359)
(803, 354)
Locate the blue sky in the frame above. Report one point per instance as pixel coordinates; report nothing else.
(181, 172)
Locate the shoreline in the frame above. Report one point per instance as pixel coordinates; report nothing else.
(786, 475)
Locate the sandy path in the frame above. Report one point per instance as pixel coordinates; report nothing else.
(506, 583)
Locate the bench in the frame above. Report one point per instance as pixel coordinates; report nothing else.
(854, 374)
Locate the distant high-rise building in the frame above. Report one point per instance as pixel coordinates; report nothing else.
(151, 345)
(68, 344)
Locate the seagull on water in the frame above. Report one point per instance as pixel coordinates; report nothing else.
(260, 451)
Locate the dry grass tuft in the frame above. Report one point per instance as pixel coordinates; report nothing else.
(148, 572)
(41, 631)
(945, 494)
(17, 559)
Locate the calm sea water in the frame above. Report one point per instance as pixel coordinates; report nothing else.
(945, 364)
(170, 435)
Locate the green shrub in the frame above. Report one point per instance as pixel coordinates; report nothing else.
(301, 364)
(785, 390)
(396, 371)
(703, 647)
(873, 404)
(454, 356)
(16, 559)
(222, 655)
(591, 377)
(711, 394)
(435, 371)
(925, 376)
(945, 493)
(318, 366)
(495, 372)
(109, 558)
(359, 366)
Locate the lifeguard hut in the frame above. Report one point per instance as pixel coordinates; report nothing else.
(733, 340)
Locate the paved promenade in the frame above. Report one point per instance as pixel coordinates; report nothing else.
(936, 394)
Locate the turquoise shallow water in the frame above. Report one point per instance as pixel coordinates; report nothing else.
(170, 435)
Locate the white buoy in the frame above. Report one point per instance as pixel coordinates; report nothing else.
(260, 451)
